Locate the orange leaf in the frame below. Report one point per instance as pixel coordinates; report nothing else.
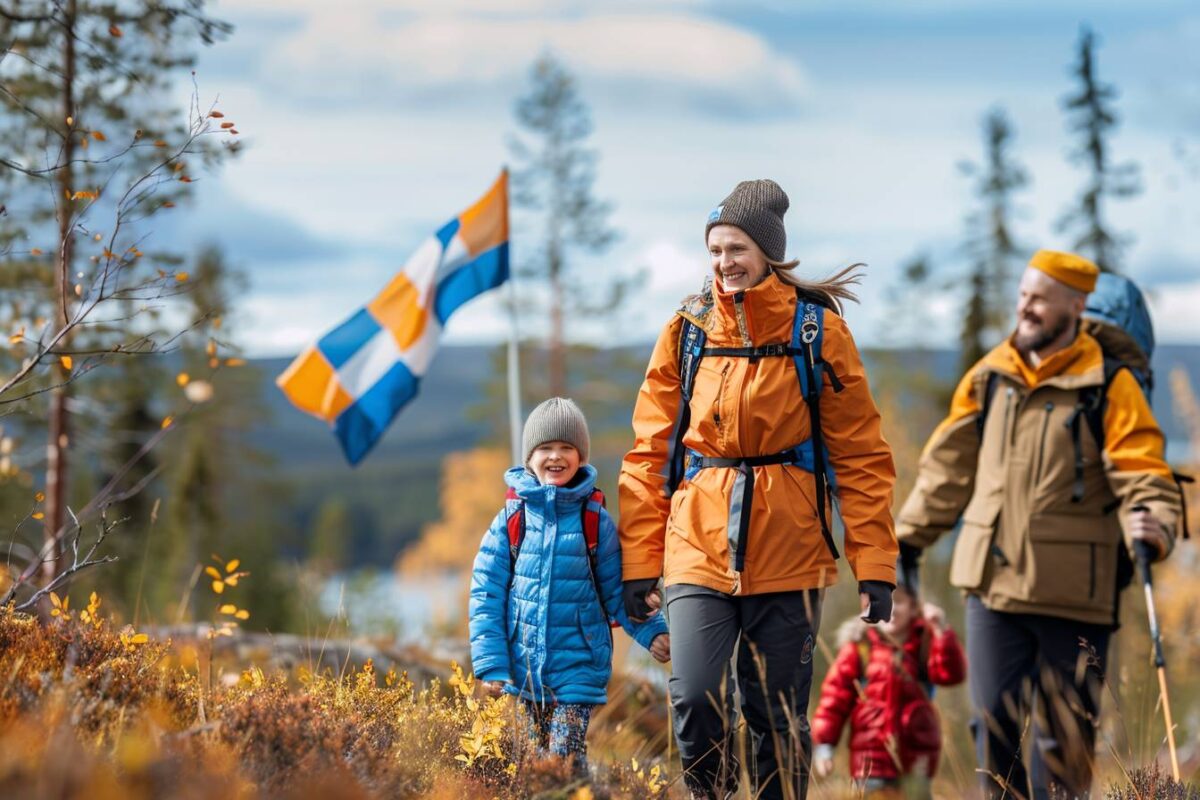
(99, 137)
(37, 251)
(216, 114)
(181, 277)
(39, 497)
(232, 565)
(233, 131)
(166, 423)
(228, 608)
(38, 515)
(115, 32)
(184, 179)
(66, 362)
(213, 572)
(168, 204)
(243, 614)
(235, 362)
(218, 587)
(213, 363)
(182, 379)
(226, 124)
(159, 143)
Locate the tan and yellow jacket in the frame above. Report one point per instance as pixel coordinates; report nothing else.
(745, 408)
(1026, 544)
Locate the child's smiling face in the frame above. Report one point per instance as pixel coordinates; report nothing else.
(554, 463)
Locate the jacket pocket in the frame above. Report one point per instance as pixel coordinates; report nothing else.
(596, 640)
(969, 564)
(1073, 561)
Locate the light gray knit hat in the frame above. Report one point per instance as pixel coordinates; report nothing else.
(757, 207)
(556, 420)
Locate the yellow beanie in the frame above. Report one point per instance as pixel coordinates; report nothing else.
(1075, 271)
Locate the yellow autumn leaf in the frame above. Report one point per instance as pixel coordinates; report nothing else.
(232, 580)
(235, 362)
(243, 614)
(159, 143)
(94, 599)
(228, 608)
(166, 423)
(38, 515)
(66, 362)
(213, 363)
(70, 121)
(212, 572)
(232, 565)
(36, 251)
(218, 587)
(210, 348)
(181, 277)
(139, 638)
(182, 379)
(55, 600)
(39, 497)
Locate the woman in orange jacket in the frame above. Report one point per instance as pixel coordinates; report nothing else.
(726, 494)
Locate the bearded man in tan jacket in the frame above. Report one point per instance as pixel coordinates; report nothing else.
(1048, 516)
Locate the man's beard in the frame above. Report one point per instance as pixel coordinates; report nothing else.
(1043, 337)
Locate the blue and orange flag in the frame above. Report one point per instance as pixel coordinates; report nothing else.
(358, 376)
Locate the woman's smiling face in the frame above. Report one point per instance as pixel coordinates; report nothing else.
(554, 463)
(737, 262)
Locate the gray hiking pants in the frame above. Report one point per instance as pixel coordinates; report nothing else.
(773, 636)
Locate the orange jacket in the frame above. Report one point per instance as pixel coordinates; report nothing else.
(741, 409)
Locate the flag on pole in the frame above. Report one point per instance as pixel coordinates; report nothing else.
(359, 375)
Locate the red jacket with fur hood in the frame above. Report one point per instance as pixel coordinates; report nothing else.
(894, 728)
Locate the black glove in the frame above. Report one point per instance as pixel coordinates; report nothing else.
(879, 594)
(908, 568)
(635, 593)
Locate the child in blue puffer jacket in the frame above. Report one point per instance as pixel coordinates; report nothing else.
(539, 621)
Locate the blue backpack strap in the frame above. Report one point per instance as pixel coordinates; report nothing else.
(808, 332)
(691, 350)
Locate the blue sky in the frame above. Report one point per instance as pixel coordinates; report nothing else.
(371, 122)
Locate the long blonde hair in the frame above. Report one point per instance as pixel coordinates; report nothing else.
(833, 291)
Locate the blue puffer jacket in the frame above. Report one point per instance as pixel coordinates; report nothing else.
(548, 637)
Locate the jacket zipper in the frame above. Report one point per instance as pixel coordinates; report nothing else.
(1005, 435)
(744, 328)
(721, 395)
(1037, 473)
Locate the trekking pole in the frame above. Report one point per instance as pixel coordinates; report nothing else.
(1145, 554)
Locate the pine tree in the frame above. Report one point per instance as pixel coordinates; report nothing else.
(1093, 117)
(990, 245)
(555, 180)
(87, 130)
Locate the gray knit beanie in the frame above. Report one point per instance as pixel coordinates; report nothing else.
(757, 207)
(556, 420)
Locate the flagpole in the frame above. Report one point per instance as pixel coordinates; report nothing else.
(514, 376)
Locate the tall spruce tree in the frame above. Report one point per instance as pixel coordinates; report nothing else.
(991, 247)
(554, 180)
(89, 133)
(1092, 115)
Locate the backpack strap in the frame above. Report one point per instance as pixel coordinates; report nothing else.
(985, 401)
(690, 351)
(807, 334)
(591, 537)
(514, 519)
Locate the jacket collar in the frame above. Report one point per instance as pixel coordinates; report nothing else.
(1079, 364)
(766, 312)
(529, 490)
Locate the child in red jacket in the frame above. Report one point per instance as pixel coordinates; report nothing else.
(881, 682)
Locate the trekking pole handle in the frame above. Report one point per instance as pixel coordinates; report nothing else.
(1145, 557)
(1145, 554)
